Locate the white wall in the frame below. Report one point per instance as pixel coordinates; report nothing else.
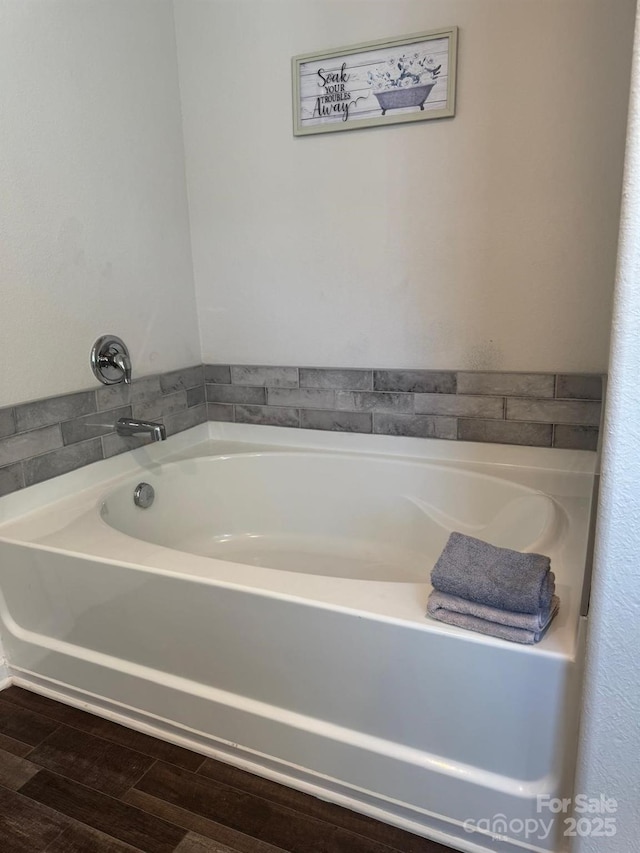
(483, 241)
(94, 233)
(610, 756)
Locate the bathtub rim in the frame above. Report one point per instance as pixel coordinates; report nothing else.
(396, 595)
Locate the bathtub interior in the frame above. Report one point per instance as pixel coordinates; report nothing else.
(342, 678)
(330, 515)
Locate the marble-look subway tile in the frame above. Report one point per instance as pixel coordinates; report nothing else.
(155, 410)
(61, 461)
(93, 426)
(256, 396)
(271, 415)
(7, 422)
(185, 419)
(309, 398)
(219, 412)
(459, 405)
(582, 412)
(180, 380)
(374, 401)
(418, 426)
(11, 479)
(27, 444)
(336, 421)
(140, 391)
(336, 379)
(274, 377)
(195, 396)
(217, 374)
(571, 437)
(421, 381)
(507, 384)
(576, 386)
(53, 410)
(503, 432)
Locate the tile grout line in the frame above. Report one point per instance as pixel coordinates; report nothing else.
(140, 778)
(74, 821)
(53, 840)
(265, 799)
(93, 791)
(100, 737)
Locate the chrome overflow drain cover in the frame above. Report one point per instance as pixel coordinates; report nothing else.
(143, 495)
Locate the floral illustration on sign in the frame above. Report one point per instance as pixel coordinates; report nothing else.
(404, 82)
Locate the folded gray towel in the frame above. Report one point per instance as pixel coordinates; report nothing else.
(526, 621)
(498, 577)
(516, 627)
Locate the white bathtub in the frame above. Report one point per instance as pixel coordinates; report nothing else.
(269, 609)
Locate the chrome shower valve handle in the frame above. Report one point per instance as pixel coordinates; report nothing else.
(110, 360)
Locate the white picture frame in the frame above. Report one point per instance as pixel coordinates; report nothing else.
(391, 81)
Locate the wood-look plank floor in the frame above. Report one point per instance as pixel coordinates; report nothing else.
(71, 782)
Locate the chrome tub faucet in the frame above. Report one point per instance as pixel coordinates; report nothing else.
(131, 426)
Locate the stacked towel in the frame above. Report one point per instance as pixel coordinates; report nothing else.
(493, 590)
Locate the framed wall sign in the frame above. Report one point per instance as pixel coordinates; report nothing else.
(410, 78)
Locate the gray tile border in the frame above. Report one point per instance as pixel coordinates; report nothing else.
(140, 391)
(274, 377)
(459, 405)
(374, 401)
(336, 378)
(27, 444)
(180, 380)
(186, 419)
(220, 412)
(309, 398)
(507, 384)
(574, 386)
(271, 415)
(92, 426)
(217, 374)
(256, 396)
(156, 410)
(7, 422)
(571, 437)
(581, 412)
(505, 432)
(53, 410)
(61, 461)
(336, 421)
(515, 408)
(417, 426)
(419, 381)
(11, 478)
